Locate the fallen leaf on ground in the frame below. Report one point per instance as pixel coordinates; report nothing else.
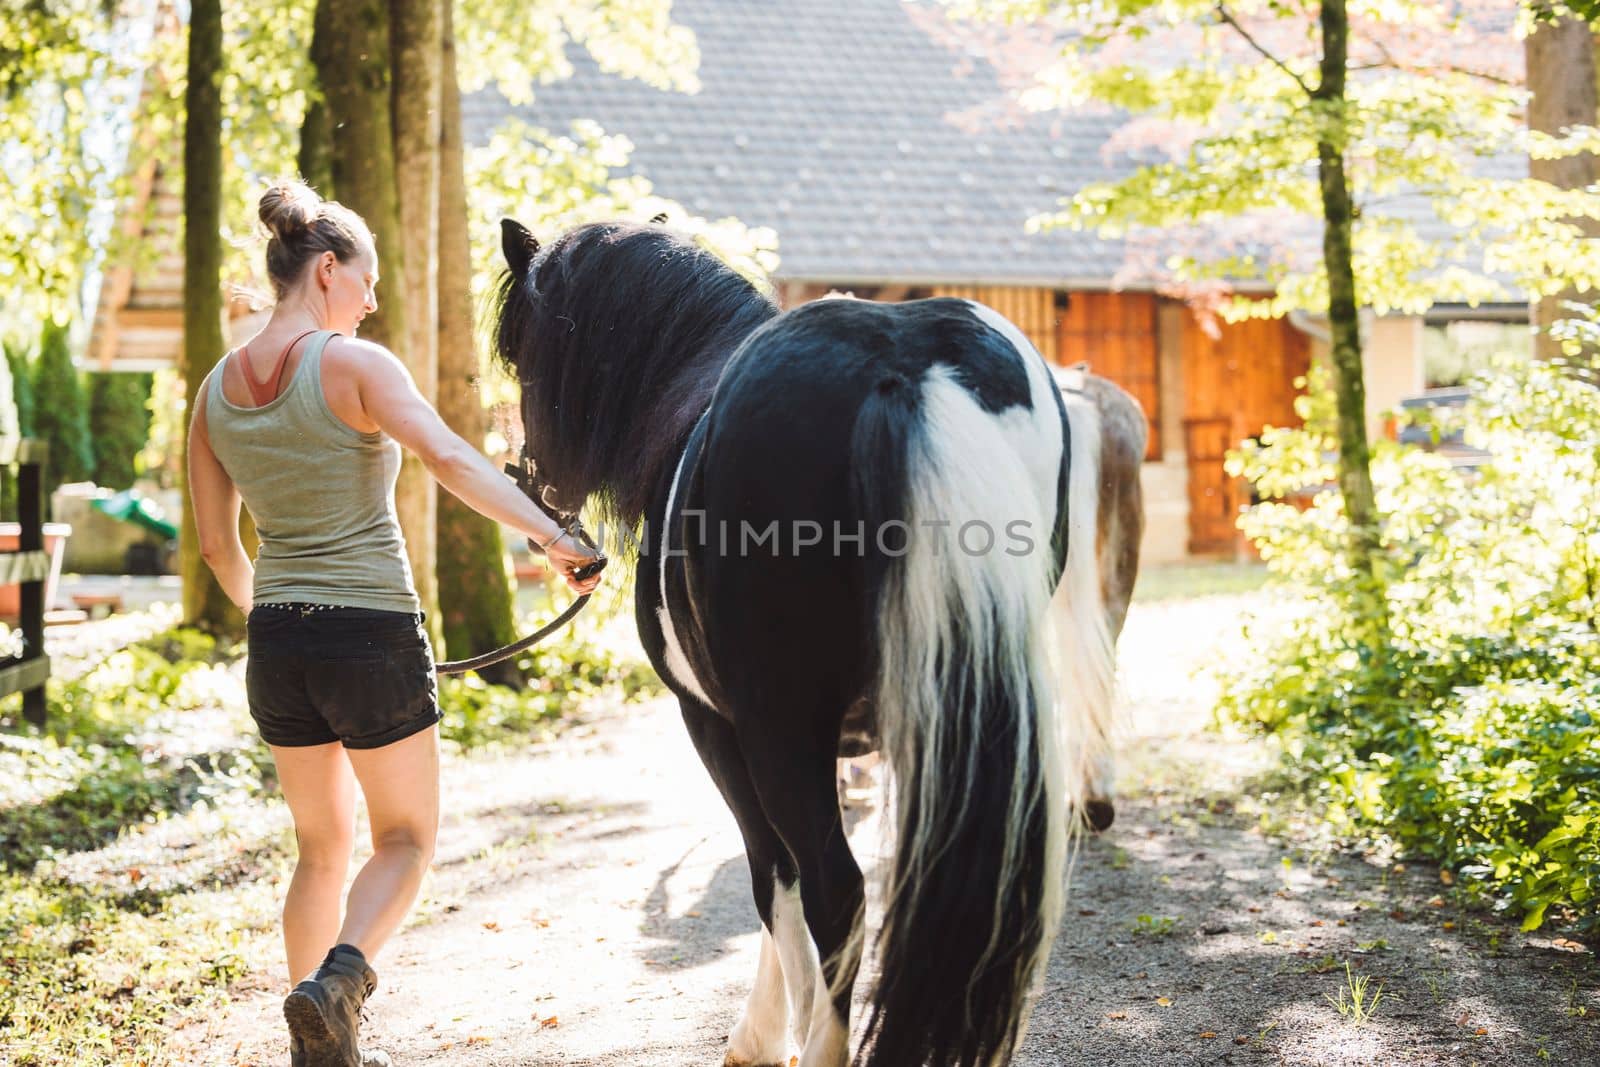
(1207, 1035)
(491, 926)
(1446, 877)
(550, 1021)
(1165, 1002)
(1116, 1015)
(1449, 925)
(1567, 945)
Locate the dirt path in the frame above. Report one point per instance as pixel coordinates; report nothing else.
(591, 907)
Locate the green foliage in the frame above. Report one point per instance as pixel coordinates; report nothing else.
(550, 182)
(162, 455)
(20, 368)
(1470, 736)
(61, 416)
(110, 944)
(66, 73)
(141, 854)
(1222, 142)
(1155, 926)
(119, 426)
(590, 660)
(514, 47)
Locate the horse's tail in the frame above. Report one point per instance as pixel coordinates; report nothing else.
(981, 795)
(1085, 648)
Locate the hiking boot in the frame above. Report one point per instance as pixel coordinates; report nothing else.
(324, 1013)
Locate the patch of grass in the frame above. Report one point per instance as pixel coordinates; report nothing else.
(597, 655)
(1155, 925)
(1574, 1009)
(1357, 1000)
(83, 979)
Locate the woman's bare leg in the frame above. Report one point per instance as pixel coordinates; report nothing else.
(401, 785)
(320, 791)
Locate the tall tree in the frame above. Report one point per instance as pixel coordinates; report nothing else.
(416, 39)
(204, 602)
(1562, 90)
(476, 601)
(1338, 263)
(351, 52)
(315, 157)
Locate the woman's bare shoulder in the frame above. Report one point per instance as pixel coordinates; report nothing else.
(356, 358)
(340, 347)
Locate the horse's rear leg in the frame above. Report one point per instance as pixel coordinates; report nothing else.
(761, 1036)
(795, 781)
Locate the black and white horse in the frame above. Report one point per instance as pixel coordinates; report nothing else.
(864, 525)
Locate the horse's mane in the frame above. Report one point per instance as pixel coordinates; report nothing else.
(617, 334)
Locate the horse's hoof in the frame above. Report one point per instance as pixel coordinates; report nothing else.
(730, 1060)
(1099, 815)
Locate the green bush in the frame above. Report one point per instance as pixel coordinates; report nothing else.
(61, 415)
(1459, 723)
(18, 415)
(119, 425)
(20, 368)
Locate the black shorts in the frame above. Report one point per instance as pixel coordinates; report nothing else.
(354, 675)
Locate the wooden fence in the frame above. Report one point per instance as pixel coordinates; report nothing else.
(29, 566)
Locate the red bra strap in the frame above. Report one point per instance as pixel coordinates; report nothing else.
(265, 392)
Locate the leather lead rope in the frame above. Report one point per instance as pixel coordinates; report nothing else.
(524, 475)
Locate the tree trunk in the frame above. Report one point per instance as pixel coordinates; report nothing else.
(352, 61)
(475, 591)
(1355, 474)
(316, 131)
(1560, 58)
(416, 37)
(204, 602)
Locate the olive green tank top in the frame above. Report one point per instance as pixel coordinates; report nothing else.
(321, 494)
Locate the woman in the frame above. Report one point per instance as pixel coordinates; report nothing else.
(305, 423)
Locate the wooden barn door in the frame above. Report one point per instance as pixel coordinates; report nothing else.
(1214, 497)
(1115, 333)
(1238, 378)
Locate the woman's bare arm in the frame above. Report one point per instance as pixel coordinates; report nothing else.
(390, 398)
(216, 513)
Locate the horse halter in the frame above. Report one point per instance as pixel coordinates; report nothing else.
(525, 472)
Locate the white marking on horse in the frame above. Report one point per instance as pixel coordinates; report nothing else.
(823, 1039)
(798, 954)
(1035, 433)
(761, 1036)
(677, 662)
